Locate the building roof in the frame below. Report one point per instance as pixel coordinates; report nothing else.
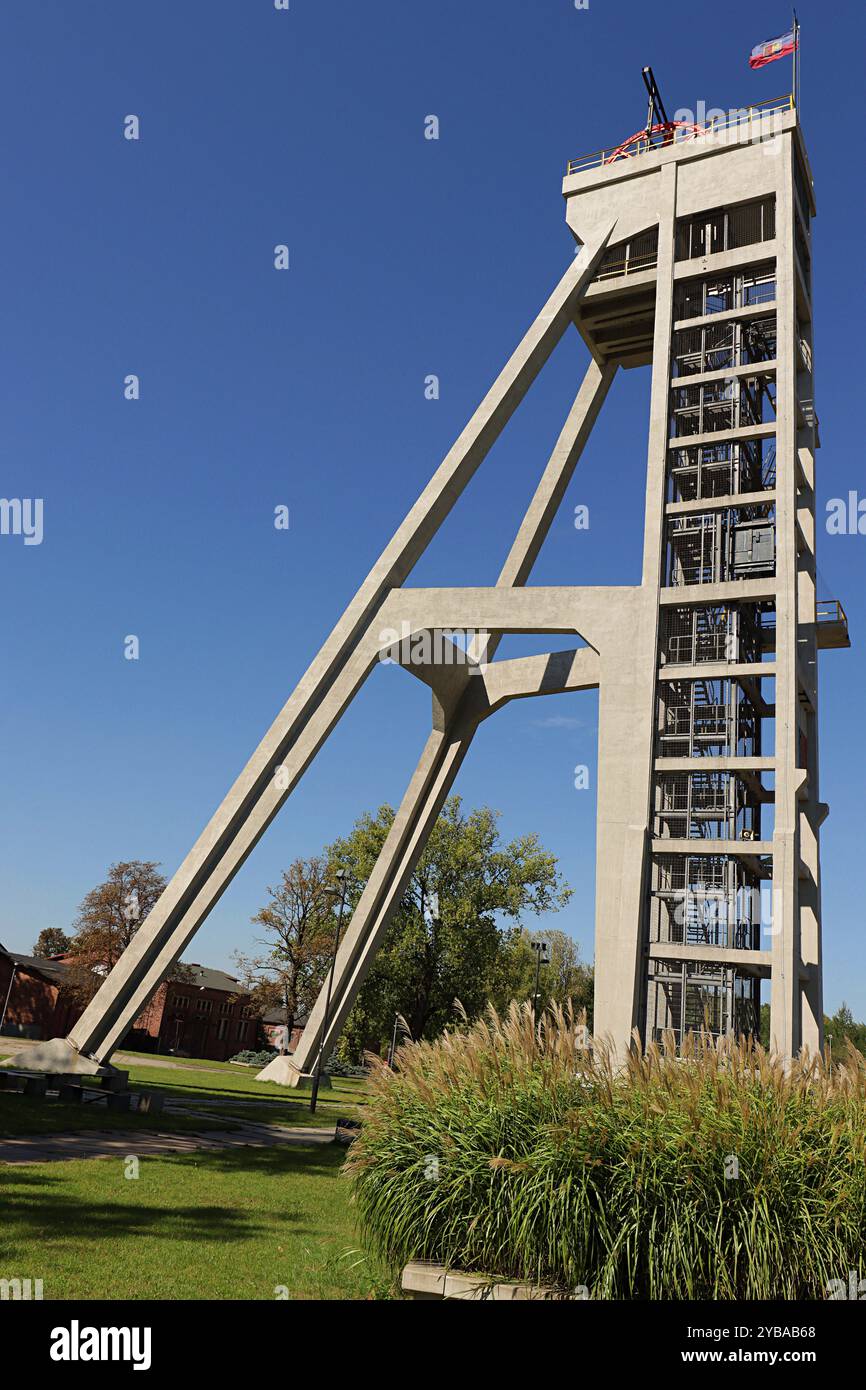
(203, 977)
(200, 976)
(52, 969)
(278, 1016)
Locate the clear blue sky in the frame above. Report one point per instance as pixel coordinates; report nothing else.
(408, 257)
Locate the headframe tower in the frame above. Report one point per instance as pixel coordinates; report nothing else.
(693, 258)
(708, 874)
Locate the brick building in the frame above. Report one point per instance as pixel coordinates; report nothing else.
(204, 1014)
(273, 1028)
(32, 1001)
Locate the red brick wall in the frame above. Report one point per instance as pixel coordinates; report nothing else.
(39, 1009)
(204, 1022)
(150, 1019)
(36, 1006)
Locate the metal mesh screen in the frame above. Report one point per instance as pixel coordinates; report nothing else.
(685, 996)
(725, 229)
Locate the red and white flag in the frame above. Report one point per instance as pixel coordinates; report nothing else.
(773, 49)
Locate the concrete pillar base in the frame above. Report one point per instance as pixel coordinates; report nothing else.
(285, 1073)
(60, 1057)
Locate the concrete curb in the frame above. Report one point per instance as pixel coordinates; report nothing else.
(421, 1280)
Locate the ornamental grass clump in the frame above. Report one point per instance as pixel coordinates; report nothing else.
(512, 1151)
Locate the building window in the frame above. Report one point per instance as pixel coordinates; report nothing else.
(226, 1008)
(180, 1001)
(715, 346)
(204, 1006)
(726, 292)
(627, 257)
(242, 1031)
(726, 229)
(222, 1028)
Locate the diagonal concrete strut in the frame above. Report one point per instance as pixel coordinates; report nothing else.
(448, 744)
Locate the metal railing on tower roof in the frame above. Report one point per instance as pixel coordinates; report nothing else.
(680, 133)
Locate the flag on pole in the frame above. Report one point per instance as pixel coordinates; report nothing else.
(768, 52)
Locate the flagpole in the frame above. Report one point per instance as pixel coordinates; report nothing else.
(796, 64)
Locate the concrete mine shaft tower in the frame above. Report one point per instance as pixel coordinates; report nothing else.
(694, 259)
(708, 874)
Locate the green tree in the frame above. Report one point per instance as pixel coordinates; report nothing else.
(837, 1029)
(842, 1027)
(51, 941)
(565, 980)
(454, 919)
(765, 1025)
(299, 930)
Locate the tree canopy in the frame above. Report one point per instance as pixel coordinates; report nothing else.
(298, 922)
(108, 918)
(51, 941)
(459, 916)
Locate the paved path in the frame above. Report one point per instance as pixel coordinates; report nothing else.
(52, 1148)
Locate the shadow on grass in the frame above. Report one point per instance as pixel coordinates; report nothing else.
(226, 1093)
(268, 1109)
(283, 1161)
(35, 1203)
(32, 1117)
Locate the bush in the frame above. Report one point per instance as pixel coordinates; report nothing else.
(514, 1153)
(336, 1066)
(255, 1059)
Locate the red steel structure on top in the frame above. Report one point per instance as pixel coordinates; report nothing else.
(663, 133)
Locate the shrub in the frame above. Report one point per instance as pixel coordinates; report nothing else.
(255, 1059)
(336, 1066)
(510, 1151)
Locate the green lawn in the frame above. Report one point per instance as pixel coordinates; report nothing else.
(198, 1087)
(204, 1063)
(233, 1224)
(289, 1114)
(347, 1097)
(34, 1116)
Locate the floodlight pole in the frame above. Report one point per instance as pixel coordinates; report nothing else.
(540, 949)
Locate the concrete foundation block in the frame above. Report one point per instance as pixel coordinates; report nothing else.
(150, 1104)
(115, 1081)
(282, 1071)
(58, 1057)
(429, 1281)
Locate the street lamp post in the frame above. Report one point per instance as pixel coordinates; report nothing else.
(317, 1070)
(392, 1051)
(542, 957)
(393, 1047)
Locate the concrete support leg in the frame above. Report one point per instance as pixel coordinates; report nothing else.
(627, 707)
(786, 987)
(445, 749)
